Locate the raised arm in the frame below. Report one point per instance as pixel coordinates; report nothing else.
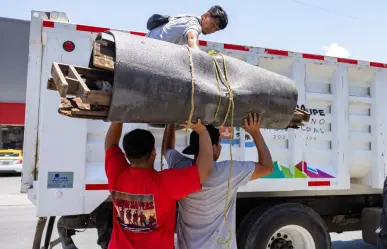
(169, 142)
(113, 135)
(205, 156)
(115, 161)
(192, 39)
(177, 183)
(264, 166)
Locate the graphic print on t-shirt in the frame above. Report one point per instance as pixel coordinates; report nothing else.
(135, 212)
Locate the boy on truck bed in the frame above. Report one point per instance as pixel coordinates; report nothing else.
(185, 29)
(144, 199)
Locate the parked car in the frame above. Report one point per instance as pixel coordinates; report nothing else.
(11, 161)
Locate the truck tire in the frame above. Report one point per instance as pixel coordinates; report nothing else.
(288, 225)
(370, 221)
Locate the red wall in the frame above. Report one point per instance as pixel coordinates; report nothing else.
(12, 113)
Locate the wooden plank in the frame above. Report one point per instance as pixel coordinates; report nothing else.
(98, 98)
(89, 73)
(103, 63)
(72, 114)
(298, 119)
(105, 38)
(88, 96)
(305, 114)
(76, 111)
(103, 55)
(94, 72)
(65, 103)
(71, 107)
(51, 85)
(59, 80)
(83, 89)
(73, 85)
(81, 105)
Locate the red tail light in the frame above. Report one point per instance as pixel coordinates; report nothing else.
(20, 161)
(68, 46)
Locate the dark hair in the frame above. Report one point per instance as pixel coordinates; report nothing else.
(193, 148)
(218, 12)
(214, 134)
(138, 144)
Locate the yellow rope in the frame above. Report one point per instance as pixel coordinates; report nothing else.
(225, 80)
(230, 106)
(192, 104)
(192, 87)
(162, 148)
(224, 76)
(219, 87)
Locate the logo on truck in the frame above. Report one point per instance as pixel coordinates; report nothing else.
(315, 126)
(316, 122)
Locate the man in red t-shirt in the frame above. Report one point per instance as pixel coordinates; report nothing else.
(138, 182)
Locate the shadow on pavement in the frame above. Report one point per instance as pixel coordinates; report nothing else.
(353, 244)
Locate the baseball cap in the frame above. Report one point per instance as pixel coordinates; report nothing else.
(193, 147)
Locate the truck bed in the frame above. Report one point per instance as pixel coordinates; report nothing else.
(340, 151)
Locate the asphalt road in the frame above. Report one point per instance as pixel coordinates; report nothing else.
(18, 221)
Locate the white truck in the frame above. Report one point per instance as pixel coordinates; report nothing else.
(328, 175)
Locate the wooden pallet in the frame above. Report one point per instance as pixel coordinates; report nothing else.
(104, 52)
(81, 82)
(75, 108)
(299, 118)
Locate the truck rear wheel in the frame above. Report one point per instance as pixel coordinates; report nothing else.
(284, 226)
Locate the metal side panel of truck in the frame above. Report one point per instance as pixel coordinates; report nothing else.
(337, 159)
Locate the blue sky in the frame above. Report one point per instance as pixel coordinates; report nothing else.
(347, 28)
